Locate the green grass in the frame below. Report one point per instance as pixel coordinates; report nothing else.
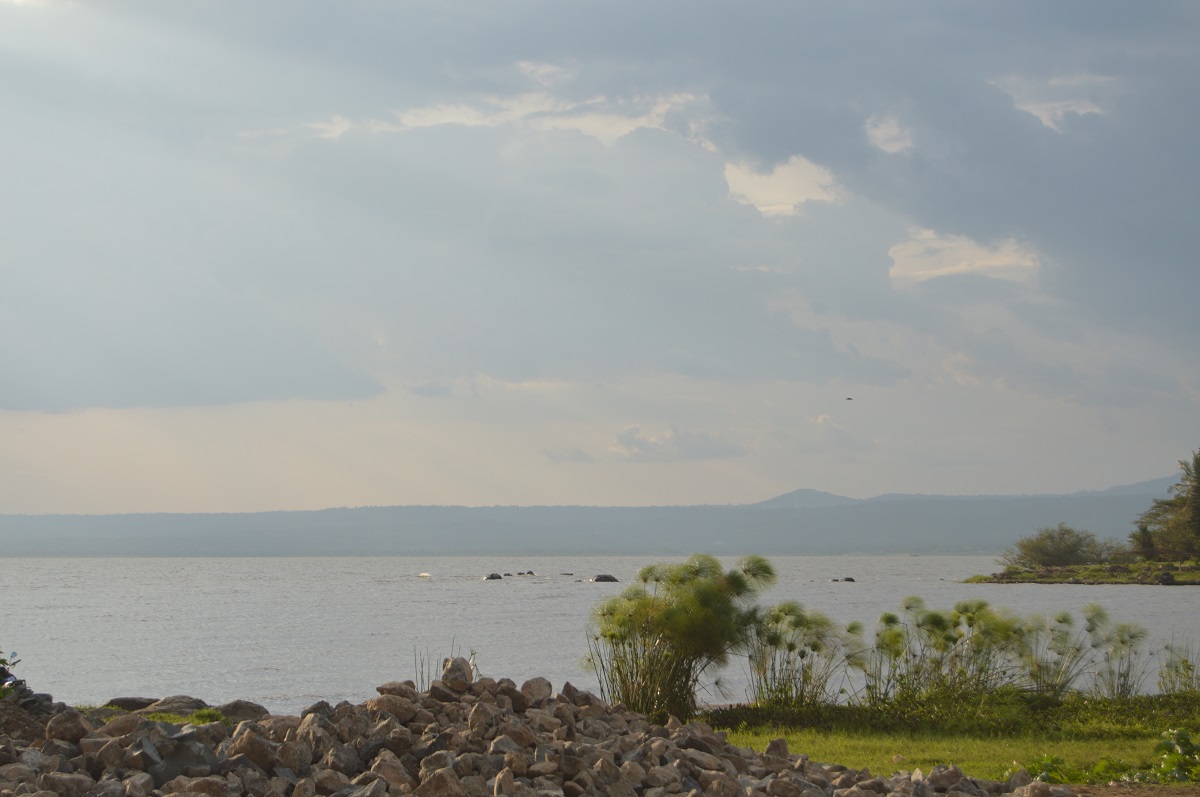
(198, 717)
(1081, 739)
(886, 753)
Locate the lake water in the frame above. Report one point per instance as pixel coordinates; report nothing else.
(286, 632)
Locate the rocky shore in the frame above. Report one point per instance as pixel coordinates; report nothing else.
(461, 737)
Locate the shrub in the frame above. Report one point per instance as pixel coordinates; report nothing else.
(1061, 546)
(651, 645)
(1178, 757)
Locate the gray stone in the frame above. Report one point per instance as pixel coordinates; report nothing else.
(187, 758)
(343, 758)
(249, 741)
(131, 703)
(239, 710)
(17, 723)
(175, 704)
(66, 784)
(376, 788)
(442, 693)
(537, 691)
(405, 689)
(138, 784)
(1033, 789)
(328, 781)
(457, 674)
(441, 783)
(70, 726)
(943, 777)
(123, 725)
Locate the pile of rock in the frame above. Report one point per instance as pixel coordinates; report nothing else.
(460, 737)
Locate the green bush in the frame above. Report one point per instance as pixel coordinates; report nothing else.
(1178, 757)
(1061, 546)
(651, 645)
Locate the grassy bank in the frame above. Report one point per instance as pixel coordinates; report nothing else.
(886, 753)
(1149, 573)
(1079, 739)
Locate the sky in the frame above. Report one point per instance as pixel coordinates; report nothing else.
(294, 254)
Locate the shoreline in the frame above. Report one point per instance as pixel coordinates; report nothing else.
(460, 737)
(1166, 574)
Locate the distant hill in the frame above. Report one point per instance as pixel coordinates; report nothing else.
(806, 499)
(803, 521)
(1156, 487)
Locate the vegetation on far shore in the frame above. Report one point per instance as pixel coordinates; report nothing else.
(1163, 548)
(1185, 573)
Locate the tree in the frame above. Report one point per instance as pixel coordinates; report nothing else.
(1173, 524)
(651, 645)
(1061, 546)
(1141, 540)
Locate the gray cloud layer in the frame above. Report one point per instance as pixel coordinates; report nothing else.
(233, 202)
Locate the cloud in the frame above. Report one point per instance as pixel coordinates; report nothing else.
(888, 134)
(1055, 101)
(605, 119)
(332, 130)
(787, 186)
(927, 255)
(673, 445)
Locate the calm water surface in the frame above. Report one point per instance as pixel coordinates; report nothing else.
(286, 632)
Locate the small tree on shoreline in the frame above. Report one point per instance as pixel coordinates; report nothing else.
(1060, 546)
(1170, 528)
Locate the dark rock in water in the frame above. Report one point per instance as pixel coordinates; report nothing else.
(131, 703)
(508, 575)
(566, 574)
(238, 710)
(604, 577)
(847, 578)
(175, 704)
(834, 580)
(493, 576)
(321, 708)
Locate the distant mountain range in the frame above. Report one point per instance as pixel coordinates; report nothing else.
(799, 522)
(815, 499)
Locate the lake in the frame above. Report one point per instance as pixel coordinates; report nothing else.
(286, 632)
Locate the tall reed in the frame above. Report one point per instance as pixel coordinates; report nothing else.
(800, 658)
(1179, 672)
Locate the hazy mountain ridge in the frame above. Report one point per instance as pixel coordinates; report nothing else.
(828, 524)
